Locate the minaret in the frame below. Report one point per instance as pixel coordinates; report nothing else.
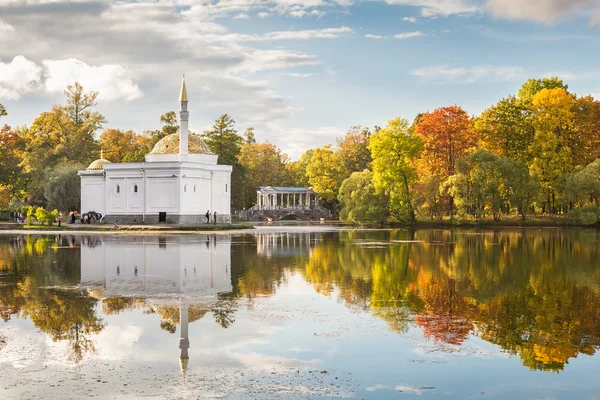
(184, 342)
(183, 119)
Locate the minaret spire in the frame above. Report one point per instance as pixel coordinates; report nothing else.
(184, 342)
(183, 117)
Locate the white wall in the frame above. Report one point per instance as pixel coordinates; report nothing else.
(92, 194)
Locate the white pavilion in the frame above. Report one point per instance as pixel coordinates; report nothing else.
(178, 183)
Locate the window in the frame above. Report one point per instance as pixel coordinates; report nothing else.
(194, 188)
(118, 189)
(185, 188)
(225, 188)
(134, 188)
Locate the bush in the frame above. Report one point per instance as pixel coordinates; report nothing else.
(586, 215)
(29, 215)
(44, 216)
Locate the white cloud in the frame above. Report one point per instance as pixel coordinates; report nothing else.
(263, 14)
(4, 27)
(299, 75)
(409, 35)
(412, 20)
(18, 77)
(241, 16)
(445, 74)
(369, 36)
(546, 11)
(441, 8)
(113, 82)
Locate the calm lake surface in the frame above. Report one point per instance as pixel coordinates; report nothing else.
(293, 313)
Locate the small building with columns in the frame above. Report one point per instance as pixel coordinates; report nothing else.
(276, 197)
(178, 183)
(278, 202)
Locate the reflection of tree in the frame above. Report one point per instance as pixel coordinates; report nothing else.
(64, 315)
(34, 263)
(447, 313)
(224, 312)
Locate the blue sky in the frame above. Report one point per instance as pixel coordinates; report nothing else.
(300, 71)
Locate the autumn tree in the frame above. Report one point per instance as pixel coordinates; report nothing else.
(11, 172)
(326, 173)
(354, 149)
(263, 165)
(553, 119)
(3, 112)
(447, 136)
(124, 146)
(65, 134)
(297, 169)
(394, 148)
(224, 141)
(585, 137)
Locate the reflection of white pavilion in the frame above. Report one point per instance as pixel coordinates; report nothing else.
(286, 244)
(185, 272)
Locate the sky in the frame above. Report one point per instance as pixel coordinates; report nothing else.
(301, 72)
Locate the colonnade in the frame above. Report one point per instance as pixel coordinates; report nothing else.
(283, 200)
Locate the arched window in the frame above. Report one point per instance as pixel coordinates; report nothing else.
(194, 188)
(185, 188)
(134, 188)
(118, 189)
(225, 188)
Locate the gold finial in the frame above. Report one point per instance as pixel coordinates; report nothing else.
(183, 95)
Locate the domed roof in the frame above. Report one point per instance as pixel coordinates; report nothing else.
(98, 164)
(170, 145)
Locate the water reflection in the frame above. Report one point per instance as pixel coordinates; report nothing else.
(533, 293)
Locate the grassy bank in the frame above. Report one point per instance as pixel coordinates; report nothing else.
(125, 228)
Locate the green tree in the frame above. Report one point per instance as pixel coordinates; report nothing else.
(3, 112)
(63, 188)
(249, 137)
(224, 141)
(533, 86)
(583, 185)
(506, 129)
(169, 126)
(394, 148)
(489, 185)
(359, 200)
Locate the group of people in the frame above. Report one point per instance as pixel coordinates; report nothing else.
(16, 216)
(208, 217)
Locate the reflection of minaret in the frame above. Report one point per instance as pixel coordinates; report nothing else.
(184, 342)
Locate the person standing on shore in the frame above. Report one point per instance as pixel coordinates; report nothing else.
(12, 216)
(215, 218)
(59, 218)
(207, 216)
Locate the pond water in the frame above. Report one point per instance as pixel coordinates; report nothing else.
(292, 313)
